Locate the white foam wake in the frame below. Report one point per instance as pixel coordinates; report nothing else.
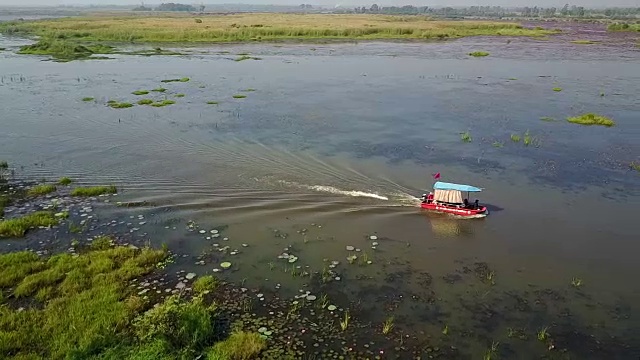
(334, 190)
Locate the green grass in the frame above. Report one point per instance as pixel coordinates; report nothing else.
(63, 50)
(145, 102)
(18, 227)
(184, 79)
(479, 54)
(88, 99)
(163, 103)
(83, 307)
(140, 92)
(239, 346)
(584, 42)
(122, 105)
(239, 96)
(557, 89)
(212, 102)
(238, 28)
(160, 89)
(515, 137)
(624, 27)
(94, 191)
(205, 284)
(42, 189)
(465, 136)
(179, 95)
(591, 119)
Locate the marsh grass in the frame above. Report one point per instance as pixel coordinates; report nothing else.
(42, 189)
(140, 92)
(163, 103)
(465, 136)
(387, 325)
(212, 103)
(527, 140)
(205, 284)
(4, 165)
(584, 42)
(557, 89)
(591, 119)
(344, 323)
(576, 282)
(88, 99)
(624, 27)
(160, 89)
(145, 102)
(635, 166)
(515, 137)
(18, 227)
(239, 346)
(184, 79)
(238, 27)
(122, 105)
(94, 191)
(239, 96)
(179, 95)
(243, 58)
(4, 202)
(64, 50)
(479, 54)
(543, 334)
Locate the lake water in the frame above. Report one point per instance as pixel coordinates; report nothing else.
(335, 144)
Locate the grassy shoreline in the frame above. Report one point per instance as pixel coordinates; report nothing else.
(260, 27)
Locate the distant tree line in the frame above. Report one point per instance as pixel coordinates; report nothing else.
(170, 7)
(499, 11)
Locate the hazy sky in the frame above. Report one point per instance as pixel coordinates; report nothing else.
(557, 3)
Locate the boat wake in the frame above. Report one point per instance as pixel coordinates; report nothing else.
(334, 190)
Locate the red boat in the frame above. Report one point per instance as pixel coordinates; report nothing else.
(447, 198)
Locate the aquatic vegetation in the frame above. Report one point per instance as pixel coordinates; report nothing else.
(543, 334)
(4, 165)
(239, 346)
(479, 54)
(387, 326)
(584, 42)
(42, 189)
(249, 89)
(63, 50)
(547, 118)
(160, 89)
(239, 96)
(491, 352)
(624, 27)
(18, 227)
(74, 228)
(225, 265)
(163, 103)
(445, 331)
(527, 138)
(140, 92)
(324, 301)
(94, 191)
(557, 89)
(591, 119)
(576, 282)
(179, 95)
(88, 99)
(240, 27)
(123, 105)
(4, 202)
(635, 166)
(212, 103)
(513, 79)
(497, 144)
(344, 323)
(184, 79)
(515, 137)
(145, 102)
(465, 136)
(64, 181)
(243, 58)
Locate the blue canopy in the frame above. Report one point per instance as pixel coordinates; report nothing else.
(449, 186)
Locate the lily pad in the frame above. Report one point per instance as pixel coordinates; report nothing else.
(350, 248)
(331, 307)
(262, 329)
(268, 333)
(190, 276)
(225, 265)
(311, 297)
(373, 237)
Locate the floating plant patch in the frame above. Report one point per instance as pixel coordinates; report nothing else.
(350, 248)
(225, 265)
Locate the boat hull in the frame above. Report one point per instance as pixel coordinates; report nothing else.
(459, 211)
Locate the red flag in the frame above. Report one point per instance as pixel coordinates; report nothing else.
(436, 176)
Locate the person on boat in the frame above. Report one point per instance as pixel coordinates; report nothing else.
(424, 198)
(466, 203)
(477, 205)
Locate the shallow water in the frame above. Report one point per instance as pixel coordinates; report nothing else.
(334, 146)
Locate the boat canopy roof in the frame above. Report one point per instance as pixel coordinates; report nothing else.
(450, 186)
